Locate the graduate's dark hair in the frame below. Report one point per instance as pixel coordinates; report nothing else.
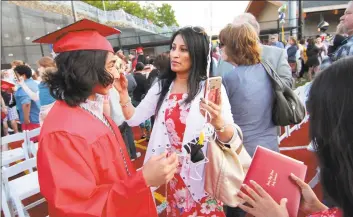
(197, 42)
(78, 72)
(142, 59)
(330, 106)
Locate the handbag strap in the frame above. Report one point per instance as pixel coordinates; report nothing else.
(276, 80)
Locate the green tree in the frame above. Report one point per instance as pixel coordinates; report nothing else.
(149, 12)
(129, 7)
(97, 4)
(165, 15)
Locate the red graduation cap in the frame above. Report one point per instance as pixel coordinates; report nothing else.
(6, 84)
(82, 35)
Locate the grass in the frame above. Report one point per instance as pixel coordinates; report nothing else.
(301, 81)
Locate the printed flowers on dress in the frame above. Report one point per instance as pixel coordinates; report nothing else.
(172, 102)
(207, 208)
(183, 199)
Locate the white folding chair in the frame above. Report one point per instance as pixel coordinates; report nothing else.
(283, 135)
(4, 205)
(32, 147)
(22, 187)
(13, 155)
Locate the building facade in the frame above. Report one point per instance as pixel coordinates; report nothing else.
(313, 12)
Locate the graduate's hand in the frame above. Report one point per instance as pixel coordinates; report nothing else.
(160, 169)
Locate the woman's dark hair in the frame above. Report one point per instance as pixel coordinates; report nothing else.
(330, 105)
(140, 66)
(311, 43)
(197, 43)
(23, 70)
(78, 72)
(162, 62)
(141, 58)
(151, 61)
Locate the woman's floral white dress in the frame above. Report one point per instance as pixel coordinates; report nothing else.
(180, 201)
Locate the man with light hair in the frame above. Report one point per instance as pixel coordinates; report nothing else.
(277, 57)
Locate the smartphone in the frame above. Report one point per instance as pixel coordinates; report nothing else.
(213, 89)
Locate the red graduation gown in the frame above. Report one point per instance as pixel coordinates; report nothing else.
(82, 172)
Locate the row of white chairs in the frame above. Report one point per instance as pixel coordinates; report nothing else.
(27, 148)
(14, 163)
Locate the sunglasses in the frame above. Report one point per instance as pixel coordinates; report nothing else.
(196, 29)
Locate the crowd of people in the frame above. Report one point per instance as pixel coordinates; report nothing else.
(89, 97)
(306, 55)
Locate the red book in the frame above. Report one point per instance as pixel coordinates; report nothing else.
(271, 170)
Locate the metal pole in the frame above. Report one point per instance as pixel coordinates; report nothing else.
(119, 41)
(105, 12)
(300, 17)
(278, 29)
(41, 49)
(73, 10)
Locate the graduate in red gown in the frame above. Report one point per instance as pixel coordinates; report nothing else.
(84, 169)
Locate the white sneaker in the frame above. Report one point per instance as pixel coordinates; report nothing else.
(138, 154)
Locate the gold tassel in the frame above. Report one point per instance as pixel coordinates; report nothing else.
(201, 138)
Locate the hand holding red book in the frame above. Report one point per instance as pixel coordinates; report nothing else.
(263, 205)
(261, 201)
(269, 173)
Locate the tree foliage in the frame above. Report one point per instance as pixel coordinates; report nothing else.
(159, 15)
(165, 15)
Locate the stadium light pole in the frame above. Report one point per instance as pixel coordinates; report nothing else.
(73, 10)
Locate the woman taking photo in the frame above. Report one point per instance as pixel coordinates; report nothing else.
(176, 101)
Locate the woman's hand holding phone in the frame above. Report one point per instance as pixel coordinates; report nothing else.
(213, 104)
